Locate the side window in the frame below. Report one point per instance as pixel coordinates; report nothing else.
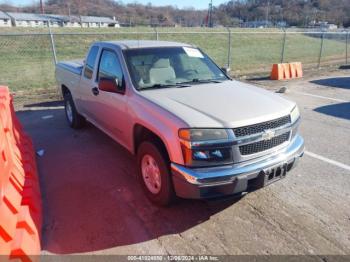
(90, 62)
(109, 66)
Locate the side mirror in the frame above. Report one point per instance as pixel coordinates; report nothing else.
(112, 85)
(226, 70)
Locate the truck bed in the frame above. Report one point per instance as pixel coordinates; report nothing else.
(68, 74)
(75, 66)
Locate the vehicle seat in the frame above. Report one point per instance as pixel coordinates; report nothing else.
(162, 71)
(140, 67)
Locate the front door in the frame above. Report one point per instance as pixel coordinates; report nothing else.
(110, 108)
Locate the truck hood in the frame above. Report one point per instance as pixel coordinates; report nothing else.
(228, 104)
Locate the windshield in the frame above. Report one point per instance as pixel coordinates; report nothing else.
(170, 66)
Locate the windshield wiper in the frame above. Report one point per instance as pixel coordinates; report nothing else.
(196, 80)
(159, 86)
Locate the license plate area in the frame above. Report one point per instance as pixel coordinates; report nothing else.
(274, 174)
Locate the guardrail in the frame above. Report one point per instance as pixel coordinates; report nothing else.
(20, 203)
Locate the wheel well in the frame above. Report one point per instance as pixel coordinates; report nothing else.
(142, 134)
(65, 90)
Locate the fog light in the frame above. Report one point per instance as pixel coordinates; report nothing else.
(211, 155)
(217, 153)
(200, 155)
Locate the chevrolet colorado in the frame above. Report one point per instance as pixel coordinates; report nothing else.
(196, 132)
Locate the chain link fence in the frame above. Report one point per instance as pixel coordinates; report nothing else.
(28, 60)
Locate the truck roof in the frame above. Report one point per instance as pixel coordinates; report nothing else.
(133, 44)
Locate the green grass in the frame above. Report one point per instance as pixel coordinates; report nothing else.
(26, 61)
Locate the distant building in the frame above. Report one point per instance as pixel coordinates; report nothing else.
(258, 24)
(331, 26)
(33, 20)
(96, 21)
(281, 24)
(66, 21)
(54, 20)
(323, 25)
(5, 20)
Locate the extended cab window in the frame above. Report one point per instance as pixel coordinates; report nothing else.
(90, 62)
(109, 66)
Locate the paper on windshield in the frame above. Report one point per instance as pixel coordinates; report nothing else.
(193, 52)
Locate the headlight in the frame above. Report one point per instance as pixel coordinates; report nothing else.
(205, 147)
(196, 135)
(294, 115)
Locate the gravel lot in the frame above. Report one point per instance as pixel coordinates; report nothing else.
(93, 204)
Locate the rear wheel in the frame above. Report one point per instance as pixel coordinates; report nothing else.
(154, 174)
(74, 119)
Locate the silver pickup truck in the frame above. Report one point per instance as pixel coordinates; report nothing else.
(196, 132)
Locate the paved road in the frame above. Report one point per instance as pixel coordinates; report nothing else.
(93, 204)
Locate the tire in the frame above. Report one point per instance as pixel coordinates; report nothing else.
(74, 119)
(164, 195)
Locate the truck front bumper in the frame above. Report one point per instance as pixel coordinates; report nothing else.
(234, 179)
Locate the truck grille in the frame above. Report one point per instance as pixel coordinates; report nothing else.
(264, 144)
(261, 127)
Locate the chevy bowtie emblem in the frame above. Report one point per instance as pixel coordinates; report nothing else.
(268, 134)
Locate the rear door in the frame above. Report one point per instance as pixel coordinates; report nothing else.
(86, 92)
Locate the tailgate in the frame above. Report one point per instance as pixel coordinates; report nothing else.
(75, 67)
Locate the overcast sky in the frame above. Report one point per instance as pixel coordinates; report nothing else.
(198, 4)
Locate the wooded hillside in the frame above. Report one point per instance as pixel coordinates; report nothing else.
(232, 13)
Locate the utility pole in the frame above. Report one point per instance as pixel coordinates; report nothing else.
(42, 7)
(69, 14)
(267, 12)
(210, 14)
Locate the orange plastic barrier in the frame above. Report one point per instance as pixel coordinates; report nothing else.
(20, 203)
(286, 71)
(296, 69)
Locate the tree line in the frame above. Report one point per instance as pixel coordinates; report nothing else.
(300, 13)
(232, 13)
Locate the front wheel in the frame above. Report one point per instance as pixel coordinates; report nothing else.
(154, 174)
(74, 119)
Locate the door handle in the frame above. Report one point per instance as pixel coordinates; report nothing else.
(95, 91)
